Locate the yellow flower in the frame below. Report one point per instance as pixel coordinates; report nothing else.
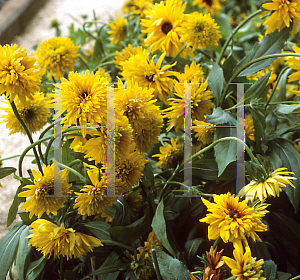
(244, 266)
(286, 12)
(125, 55)
(38, 196)
(57, 55)
(92, 199)
(161, 24)
(142, 6)
(145, 118)
(104, 74)
(96, 146)
(210, 6)
(146, 273)
(129, 7)
(272, 186)
(249, 127)
(201, 104)
(129, 168)
(18, 75)
(193, 73)
(34, 113)
(83, 96)
(149, 131)
(119, 30)
(200, 31)
(147, 74)
(50, 239)
(169, 155)
(233, 220)
(294, 63)
(204, 134)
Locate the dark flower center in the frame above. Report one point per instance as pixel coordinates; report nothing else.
(166, 27)
(84, 95)
(208, 2)
(234, 213)
(199, 27)
(150, 78)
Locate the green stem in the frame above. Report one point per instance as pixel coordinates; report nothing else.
(1, 159)
(216, 242)
(179, 53)
(73, 171)
(271, 103)
(48, 150)
(277, 82)
(156, 266)
(85, 64)
(103, 64)
(116, 243)
(74, 162)
(15, 110)
(221, 140)
(205, 54)
(40, 141)
(40, 137)
(108, 57)
(236, 74)
(296, 277)
(234, 32)
(233, 277)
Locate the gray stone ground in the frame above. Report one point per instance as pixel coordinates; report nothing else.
(37, 31)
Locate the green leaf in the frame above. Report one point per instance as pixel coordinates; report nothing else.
(148, 178)
(110, 268)
(259, 89)
(259, 123)
(67, 157)
(225, 152)
(218, 117)
(99, 229)
(269, 269)
(123, 214)
(280, 95)
(224, 23)
(283, 275)
(191, 248)
(270, 44)
(6, 171)
(206, 168)
(132, 232)
(290, 158)
(160, 228)
(35, 268)
(112, 258)
(169, 267)
(8, 246)
(23, 251)
(13, 210)
(286, 109)
(216, 82)
(228, 66)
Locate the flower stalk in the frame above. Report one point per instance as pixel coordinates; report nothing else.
(15, 110)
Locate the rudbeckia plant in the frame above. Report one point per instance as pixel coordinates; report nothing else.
(168, 145)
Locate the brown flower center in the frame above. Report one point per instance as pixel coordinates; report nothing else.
(150, 78)
(166, 27)
(27, 114)
(234, 213)
(208, 2)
